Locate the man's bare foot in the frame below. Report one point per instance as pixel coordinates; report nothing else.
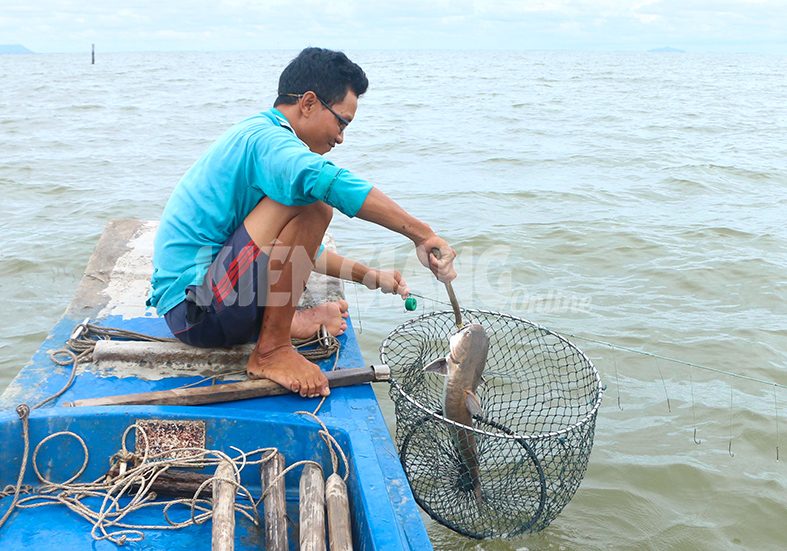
(333, 315)
(291, 370)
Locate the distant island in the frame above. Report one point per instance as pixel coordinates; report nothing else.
(14, 49)
(668, 49)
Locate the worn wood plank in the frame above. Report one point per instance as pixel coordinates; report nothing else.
(274, 504)
(223, 530)
(312, 509)
(337, 503)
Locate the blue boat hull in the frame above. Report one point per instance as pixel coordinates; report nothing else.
(384, 513)
(295, 436)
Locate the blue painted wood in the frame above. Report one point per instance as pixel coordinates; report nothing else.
(384, 512)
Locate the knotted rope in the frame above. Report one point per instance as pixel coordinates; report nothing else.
(108, 521)
(24, 414)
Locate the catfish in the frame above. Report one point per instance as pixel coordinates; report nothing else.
(463, 367)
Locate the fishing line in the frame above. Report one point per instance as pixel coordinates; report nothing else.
(776, 407)
(729, 448)
(643, 353)
(693, 409)
(358, 310)
(432, 300)
(663, 382)
(635, 351)
(674, 360)
(617, 377)
(691, 365)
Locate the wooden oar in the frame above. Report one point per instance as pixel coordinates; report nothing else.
(229, 392)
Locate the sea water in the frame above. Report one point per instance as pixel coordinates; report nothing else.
(634, 201)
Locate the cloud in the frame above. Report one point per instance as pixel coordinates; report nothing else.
(134, 25)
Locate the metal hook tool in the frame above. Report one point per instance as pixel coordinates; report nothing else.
(451, 295)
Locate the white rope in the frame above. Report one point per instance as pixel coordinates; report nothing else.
(332, 444)
(24, 413)
(108, 522)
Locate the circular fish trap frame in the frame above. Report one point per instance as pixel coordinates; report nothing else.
(539, 399)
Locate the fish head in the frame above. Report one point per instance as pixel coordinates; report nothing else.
(469, 348)
(463, 368)
(466, 358)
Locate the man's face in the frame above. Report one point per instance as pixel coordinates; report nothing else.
(324, 130)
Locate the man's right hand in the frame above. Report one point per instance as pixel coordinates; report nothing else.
(442, 267)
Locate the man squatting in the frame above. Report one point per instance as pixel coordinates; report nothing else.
(242, 231)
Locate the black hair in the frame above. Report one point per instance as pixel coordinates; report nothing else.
(325, 72)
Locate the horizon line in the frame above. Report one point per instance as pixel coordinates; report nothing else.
(659, 50)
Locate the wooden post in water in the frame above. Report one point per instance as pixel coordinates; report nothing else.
(93, 57)
(312, 509)
(274, 504)
(338, 504)
(223, 534)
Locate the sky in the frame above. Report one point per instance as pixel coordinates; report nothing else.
(727, 26)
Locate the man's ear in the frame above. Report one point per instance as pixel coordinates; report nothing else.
(308, 103)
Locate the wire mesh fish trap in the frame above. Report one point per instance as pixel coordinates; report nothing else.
(531, 444)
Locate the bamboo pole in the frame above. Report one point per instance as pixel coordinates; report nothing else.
(274, 504)
(312, 509)
(338, 504)
(223, 532)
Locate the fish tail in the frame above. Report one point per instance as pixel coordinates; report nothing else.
(476, 476)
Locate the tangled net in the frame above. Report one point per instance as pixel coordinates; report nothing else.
(539, 399)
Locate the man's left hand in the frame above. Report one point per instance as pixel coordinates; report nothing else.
(388, 281)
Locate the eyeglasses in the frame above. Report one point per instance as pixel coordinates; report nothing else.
(343, 123)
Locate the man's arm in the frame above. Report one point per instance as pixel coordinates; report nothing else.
(335, 265)
(384, 211)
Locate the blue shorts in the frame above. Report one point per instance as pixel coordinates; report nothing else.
(227, 308)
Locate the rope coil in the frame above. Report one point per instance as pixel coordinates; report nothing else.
(110, 519)
(142, 470)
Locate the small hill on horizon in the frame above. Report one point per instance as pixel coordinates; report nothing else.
(14, 49)
(668, 49)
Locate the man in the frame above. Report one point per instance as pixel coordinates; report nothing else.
(242, 230)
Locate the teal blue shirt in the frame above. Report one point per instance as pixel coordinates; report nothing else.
(259, 157)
